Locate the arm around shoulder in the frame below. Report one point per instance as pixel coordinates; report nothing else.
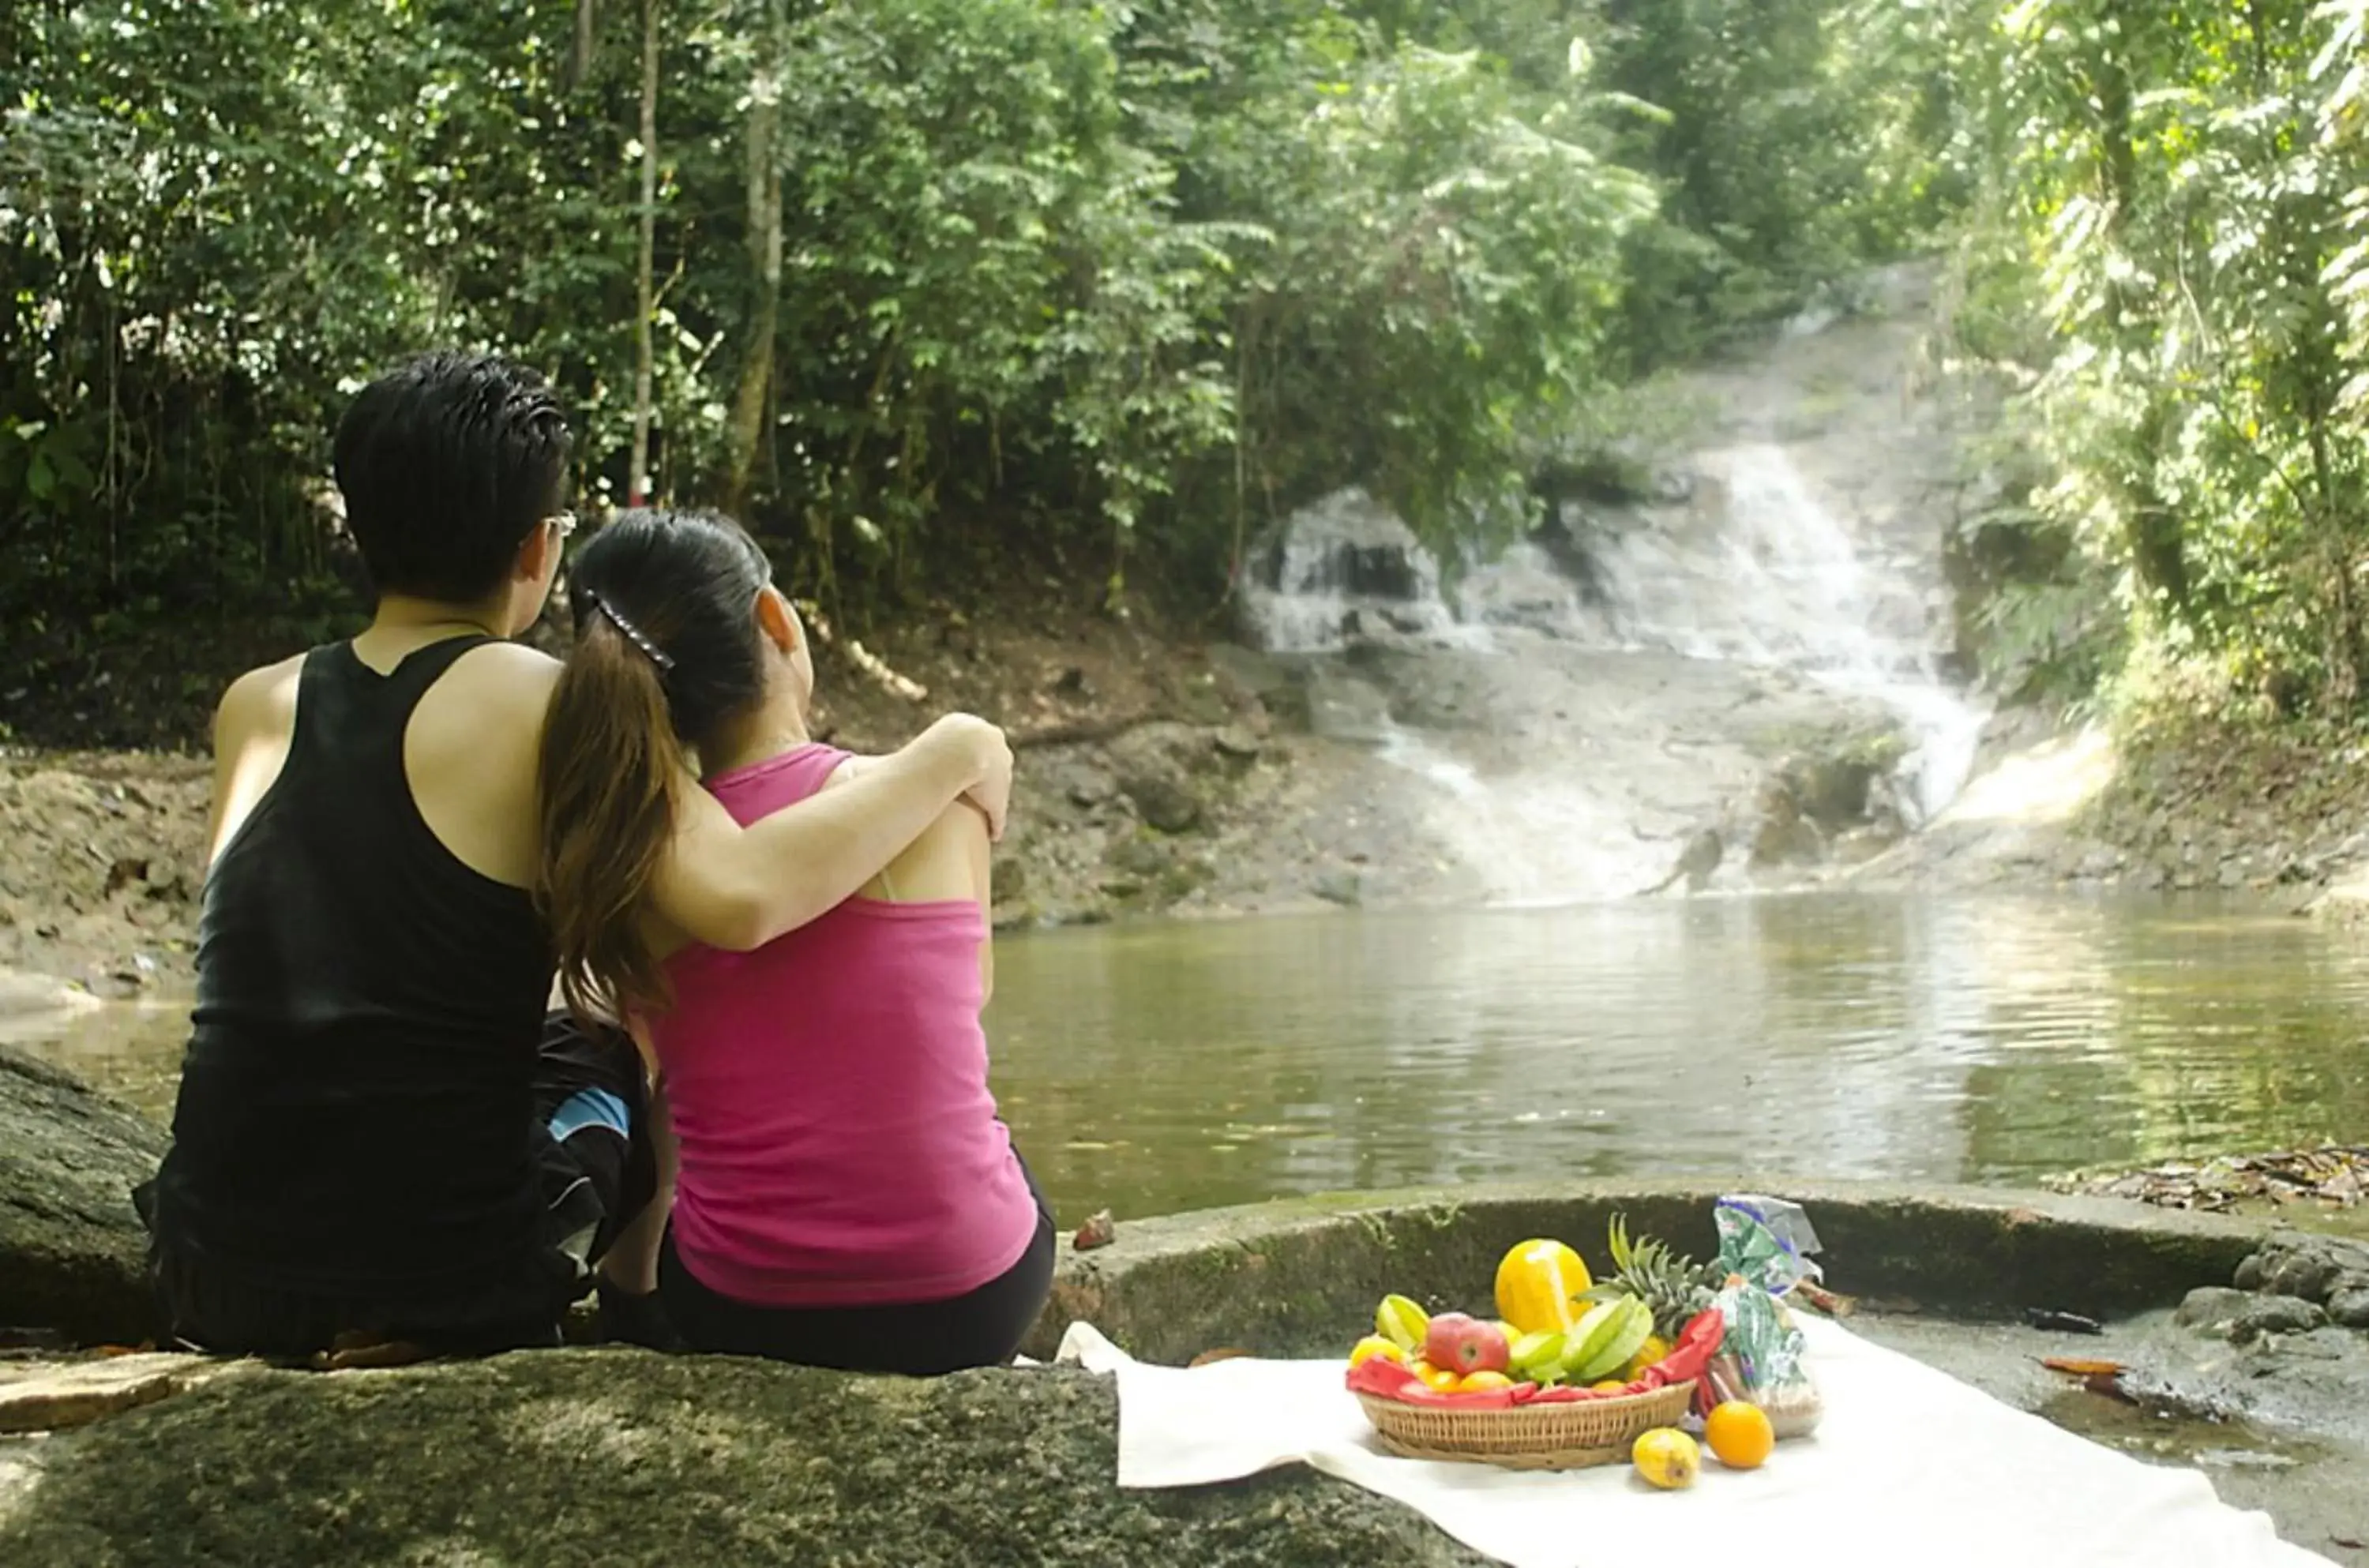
(738, 889)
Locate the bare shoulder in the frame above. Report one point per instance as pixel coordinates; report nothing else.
(471, 754)
(259, 703)
(505, 679)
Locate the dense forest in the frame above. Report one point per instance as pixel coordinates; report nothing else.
(911, 283)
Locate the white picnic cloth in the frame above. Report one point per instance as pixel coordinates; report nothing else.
(1909, 1468)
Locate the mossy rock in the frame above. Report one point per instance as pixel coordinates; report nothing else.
(1302, 1277)
(73, 1252)
(624, 1458)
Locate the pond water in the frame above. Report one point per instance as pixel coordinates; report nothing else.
(1157, 1067)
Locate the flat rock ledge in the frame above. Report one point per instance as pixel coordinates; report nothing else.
(622, 1457)
(1285, 1278)
(72, 1249)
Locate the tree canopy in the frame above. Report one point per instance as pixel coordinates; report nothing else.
(907, 277)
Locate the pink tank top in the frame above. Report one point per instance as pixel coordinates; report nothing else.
(839, 1144)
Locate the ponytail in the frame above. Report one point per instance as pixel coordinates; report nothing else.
(667, 654)
(611, 764)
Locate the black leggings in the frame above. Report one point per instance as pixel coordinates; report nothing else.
(922, 1339)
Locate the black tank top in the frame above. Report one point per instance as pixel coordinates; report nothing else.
(356, 1101)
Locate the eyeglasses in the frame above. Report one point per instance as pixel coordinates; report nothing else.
(564, 522)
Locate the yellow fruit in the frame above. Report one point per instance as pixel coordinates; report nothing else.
(1610, 1386)
(1739, 1433)
(1401, 1323)
(1374, 1345)
(1482, 1382)
(1655, 1347)
(1668, 1458)
(1537, 1286)
(1442, 1378)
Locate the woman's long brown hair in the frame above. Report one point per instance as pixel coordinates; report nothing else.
(666, 652)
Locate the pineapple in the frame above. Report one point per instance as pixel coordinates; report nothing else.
(1675, 1287)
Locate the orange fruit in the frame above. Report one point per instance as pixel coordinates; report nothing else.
(1667, 1457)
(1442, 1378)
(1372, 1346)
(1649, 1354)
(1739, 1433)
(1482, 1382)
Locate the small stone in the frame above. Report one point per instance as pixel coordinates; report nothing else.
(2213, 1307)
(2306, 1272)
(1140, 857)
(2249, 1273)
(2278, 1315)
(1346, 888)
(1100, 1230)
(1235, 744)
(2350, 1307)
(1162, 802)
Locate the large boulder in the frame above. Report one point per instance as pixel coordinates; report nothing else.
(72, 1250)
(624, 1458)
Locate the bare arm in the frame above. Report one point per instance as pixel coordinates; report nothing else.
(982, 877)
(738, 889)
(253, 725)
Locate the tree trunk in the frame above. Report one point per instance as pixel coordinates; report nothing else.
(748, 431)
(638, 483)
(2152, 530)
(579, 54)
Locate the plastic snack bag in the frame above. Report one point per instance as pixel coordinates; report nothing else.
(1761, 1358)
(1767, 1240)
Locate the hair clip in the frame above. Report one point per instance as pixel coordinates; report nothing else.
(656, 655)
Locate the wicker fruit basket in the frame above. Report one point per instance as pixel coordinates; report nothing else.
(1571, 1436)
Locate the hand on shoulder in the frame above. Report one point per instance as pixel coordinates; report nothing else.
(986, 755)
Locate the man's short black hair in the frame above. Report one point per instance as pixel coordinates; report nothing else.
(446, 464)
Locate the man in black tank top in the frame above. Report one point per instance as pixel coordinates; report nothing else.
(381, 1135)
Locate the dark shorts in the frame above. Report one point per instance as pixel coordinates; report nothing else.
(920, 1339)
(596, 1170)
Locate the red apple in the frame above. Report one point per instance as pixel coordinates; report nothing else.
(1465, 1345)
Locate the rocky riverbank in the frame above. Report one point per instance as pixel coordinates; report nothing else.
(618, 1455)
(2277, 818)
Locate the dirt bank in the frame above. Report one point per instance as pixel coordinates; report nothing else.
(1159, 774)
(2273, 815)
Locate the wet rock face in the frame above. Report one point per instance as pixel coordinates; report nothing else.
(1339, 571)
(2278, 1315)
(2294, 1284)
(2213, 1308)
(72, 1250)
(625, 1458)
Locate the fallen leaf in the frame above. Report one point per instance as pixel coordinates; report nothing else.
(1208, 1356)
(2077, 1367)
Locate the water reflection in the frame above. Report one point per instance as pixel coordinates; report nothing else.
(1988, 1041)
(1157, 1067)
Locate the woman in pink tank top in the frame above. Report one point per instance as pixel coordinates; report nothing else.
(846, 1195)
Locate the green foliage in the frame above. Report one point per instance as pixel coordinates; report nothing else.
(2159, 213)
(1143, 274)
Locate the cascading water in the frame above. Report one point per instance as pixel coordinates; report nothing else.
(1760, 571)
(1602, 699)
(1345, 566)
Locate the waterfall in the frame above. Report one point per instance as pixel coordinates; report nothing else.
(1761, 572)
(1589, 701)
